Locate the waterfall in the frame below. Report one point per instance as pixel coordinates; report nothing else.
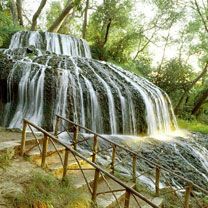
(95, 111)
(111, 104)
(30, 92)
(63, 83)
(98, 95)
(55, 43)
(158, 114)
(77, 73)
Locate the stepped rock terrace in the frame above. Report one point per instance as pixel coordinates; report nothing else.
(48, 74)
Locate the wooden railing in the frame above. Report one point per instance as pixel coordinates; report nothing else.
(188, 190)
(42, 145)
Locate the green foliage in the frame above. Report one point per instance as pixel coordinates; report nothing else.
(7, 28)
(174, 78)
(205, 199)
(113, 10)
(140, 66)
(193, 125)
(112, 32)
(122, 43)
(5, 158)
(53, 13)
(71, 24)
(45, 189)
(55, 10)
(144, 189)
(203, 113)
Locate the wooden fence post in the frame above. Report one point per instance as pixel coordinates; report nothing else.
(134, 159)
(44, 151)
(113, 159)
(187, 195)
(95, 185)
(95, 148)
(127, 199)
(22, 150)
(75, 137)
(56, 126)
(66, 158)
(157, 181)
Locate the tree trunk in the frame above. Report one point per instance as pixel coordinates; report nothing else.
(104, 41)
(64, 14)
(84, 26)
(107, 32)
(164, 50)
(19, 12)
(200, 102)
(13, 10)
(144, 46)
(201, 15)
(204, 71)
(37, 14)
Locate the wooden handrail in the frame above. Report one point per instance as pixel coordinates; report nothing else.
(74, 152)
(134, 153)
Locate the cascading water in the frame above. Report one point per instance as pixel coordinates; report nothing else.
(30, 92)
(43, 74)
(54, 74)
(58, 44)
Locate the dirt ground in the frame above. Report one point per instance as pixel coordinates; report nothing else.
(8, 135)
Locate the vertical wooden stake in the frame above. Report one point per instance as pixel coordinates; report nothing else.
(75, 137)
(23, 138)
(113, 159)
(56, 126)
(187, 195)
(95, 148)
(44, 151)
(127, 199)
(95, 185)
(66, 158)
(134, 159)
(157, 181)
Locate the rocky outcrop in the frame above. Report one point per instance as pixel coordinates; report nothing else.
(44, 74)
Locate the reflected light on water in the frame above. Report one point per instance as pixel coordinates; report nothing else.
(170, 135)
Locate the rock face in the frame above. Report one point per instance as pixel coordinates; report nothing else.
(43, 74)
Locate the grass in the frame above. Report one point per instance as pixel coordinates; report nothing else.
(44, 190)
(144, 189)
(193, 125)
(5, 158)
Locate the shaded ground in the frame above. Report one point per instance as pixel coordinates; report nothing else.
(8, 135)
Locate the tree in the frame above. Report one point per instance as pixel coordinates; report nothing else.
(110, 18)
(19, 12)
(174, 77)
(200, 101)
(37, 14)
(191, 85)
(63, 16)
(13, 10)
(84, 26)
